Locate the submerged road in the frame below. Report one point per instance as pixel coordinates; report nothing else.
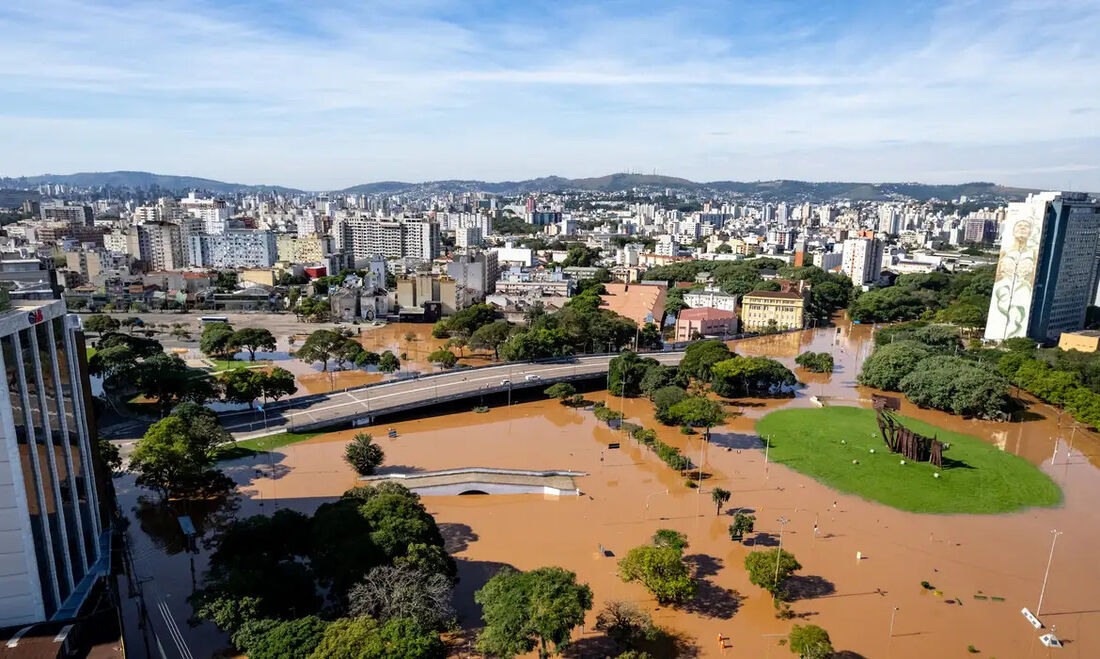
(361, 404)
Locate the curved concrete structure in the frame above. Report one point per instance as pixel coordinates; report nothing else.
(482, 480)
(360, 405)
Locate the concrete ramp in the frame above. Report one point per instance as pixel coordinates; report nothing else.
(483, 480)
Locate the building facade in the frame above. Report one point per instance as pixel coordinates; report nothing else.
(51, 539)
(236, 248)
(862, 260)
(703, 321)
(1047, 271)
(762, 310)
(711, 298)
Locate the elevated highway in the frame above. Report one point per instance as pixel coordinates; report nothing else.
(360, 405)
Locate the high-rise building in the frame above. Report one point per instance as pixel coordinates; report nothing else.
(160, 246)
(861, 260)
(236, 248)
(76, 214)
(393, 239)
(52, 538)
(1046, 274)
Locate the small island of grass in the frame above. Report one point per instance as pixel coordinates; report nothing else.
(976, 478)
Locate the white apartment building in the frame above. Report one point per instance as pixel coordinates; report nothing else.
(52, 538)
(213, 213)
(394, 239)
(861, 260)
(712, 298)
(468, 237)
(236, 248)
(666, 246)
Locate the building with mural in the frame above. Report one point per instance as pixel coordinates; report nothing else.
(1046, 274)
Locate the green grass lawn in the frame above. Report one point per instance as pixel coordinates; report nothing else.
(226, 364)
(977, 477)
(249, 447)
(90, 352)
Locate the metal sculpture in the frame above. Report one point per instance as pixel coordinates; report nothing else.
(900, 439)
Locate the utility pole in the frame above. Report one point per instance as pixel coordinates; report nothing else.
(779, 551)
(1050, 559)
(892, 614)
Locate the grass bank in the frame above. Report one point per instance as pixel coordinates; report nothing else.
(250, 447)
(977, 477)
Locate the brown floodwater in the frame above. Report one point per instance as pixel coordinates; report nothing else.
(628, 494)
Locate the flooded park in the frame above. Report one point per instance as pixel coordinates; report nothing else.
(863, 562)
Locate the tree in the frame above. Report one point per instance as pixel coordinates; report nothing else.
(664, 399)
(130, 322)
(444, 358)
(363, 454)
(719, 496)
(742, 525)
(815, 362)
(100, 323)
(313, 308)
(215, 340)
(650, 336)
(626, 372)
(661, 570)
(277, 383)
(699, 412)
(252, 339)
(700, 356)
(525, 610)
(320, 346)
(660, 376)
(284, 638)
(491, 336)
(525, 345)
(388, 362)
(670, 538)
(401, 591)
(243, 385)
(750, 376)
(625, 624)
(891, 362)
(561, 391)
(365, 638)
(810, 642)
(167, 379)
(177, 454)
(459, 342)
(761, 566)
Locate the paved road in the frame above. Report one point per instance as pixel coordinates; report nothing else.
(319, 411)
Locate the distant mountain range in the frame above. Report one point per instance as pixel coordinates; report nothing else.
(778, 190)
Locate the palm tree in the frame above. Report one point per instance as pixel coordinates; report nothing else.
(719, 496)
(363, 454)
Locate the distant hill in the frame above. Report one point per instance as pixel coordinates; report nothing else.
(797, 191)
(137, 180)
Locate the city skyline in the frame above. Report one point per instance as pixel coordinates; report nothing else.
(323, 98)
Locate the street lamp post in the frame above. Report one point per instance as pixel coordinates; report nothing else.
(892, 614)
(649, 496)
(779, 552)
(1050, 559)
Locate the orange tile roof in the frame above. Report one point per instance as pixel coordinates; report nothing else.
(635, 301)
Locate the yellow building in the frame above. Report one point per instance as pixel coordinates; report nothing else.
(1085, 340)
(760, 308)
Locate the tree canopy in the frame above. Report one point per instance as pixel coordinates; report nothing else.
(528, 610)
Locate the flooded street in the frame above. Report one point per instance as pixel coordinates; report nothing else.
(628, 494)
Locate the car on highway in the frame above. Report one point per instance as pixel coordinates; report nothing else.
(531, 377)
(505, 382)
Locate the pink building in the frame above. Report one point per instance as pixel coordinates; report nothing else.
(704, 321)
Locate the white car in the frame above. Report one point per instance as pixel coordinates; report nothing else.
(505, 382)
(531, 377)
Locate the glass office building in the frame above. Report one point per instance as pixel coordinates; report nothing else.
(51, 535)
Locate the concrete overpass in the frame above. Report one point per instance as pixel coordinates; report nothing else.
(360, 405)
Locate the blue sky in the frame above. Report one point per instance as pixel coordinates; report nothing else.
(326, 94)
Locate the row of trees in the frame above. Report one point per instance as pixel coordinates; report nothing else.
(222, 341)
(1069, 379)
(323, 346)
(960, 298)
